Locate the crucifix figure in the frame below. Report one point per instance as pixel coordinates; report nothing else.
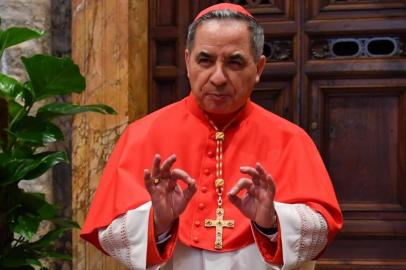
(219, 223)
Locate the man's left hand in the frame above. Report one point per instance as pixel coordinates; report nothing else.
(257, 204)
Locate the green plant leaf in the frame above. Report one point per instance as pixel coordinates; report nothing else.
(52, 110)
(36, 131)
(36, 203)
(44, 162)
(14, 108)
(57, 255)
(15, 169)
(22, 152)
(47, 239)
(65, 223)
(27, 225)
(15, 35)
(20, 115)
(11, 89)
(20, 258)
(52, 76)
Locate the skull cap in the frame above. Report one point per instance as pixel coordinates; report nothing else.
(224, 6)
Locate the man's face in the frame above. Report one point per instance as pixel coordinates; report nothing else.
(221, 67)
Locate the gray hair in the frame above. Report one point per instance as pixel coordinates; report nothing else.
(257, 32)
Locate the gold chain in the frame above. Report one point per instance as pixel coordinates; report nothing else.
(219, 222)
(219, 136)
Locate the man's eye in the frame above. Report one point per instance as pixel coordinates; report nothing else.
(204, 61)
(235, 64)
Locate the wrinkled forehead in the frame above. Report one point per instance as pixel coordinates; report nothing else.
(226, 35)
(219, 26)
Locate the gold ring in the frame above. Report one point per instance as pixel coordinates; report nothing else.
(156, 180)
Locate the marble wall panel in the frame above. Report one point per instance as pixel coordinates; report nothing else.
(109, 42)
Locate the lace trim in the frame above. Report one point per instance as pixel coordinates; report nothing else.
(117, 244)
(106, 241)
(313, 233)
(124, 239)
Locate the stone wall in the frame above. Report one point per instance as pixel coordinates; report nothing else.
(30, 13)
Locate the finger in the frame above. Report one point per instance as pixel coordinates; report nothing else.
(186, 178)
(182, 175)
(271, 183)
(147, 180)
(261, 171)
(189, 191)
(234, 199)
(263, 175)
(156, 166)
(251, 172)
(167, 164)
(243, 183)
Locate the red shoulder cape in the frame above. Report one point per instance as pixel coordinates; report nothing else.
(281, 147)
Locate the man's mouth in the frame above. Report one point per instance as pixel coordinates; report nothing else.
(217, 97)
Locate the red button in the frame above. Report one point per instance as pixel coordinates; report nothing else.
(206, 171)
(210, 153)
(201, 206)
(197, 223)
(204, 189)
(196, 239)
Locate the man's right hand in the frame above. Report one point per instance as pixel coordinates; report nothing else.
(168, 199)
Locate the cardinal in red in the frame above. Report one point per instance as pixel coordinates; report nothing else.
(214, 181)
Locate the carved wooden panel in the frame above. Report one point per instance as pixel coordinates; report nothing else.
(329, 9)
(168, 30)
(360, 127)
(353, 106)
(350, 47)
(262, 9)
(275, 97)
(277, 50)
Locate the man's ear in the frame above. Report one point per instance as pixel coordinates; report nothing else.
(260, 67)
(187, 59)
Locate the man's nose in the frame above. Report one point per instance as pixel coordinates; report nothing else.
(218, 77)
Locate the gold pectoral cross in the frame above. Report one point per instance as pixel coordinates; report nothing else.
(219, 223)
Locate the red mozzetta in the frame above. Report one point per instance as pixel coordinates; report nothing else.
(256, 135)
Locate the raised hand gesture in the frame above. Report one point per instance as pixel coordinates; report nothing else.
(168, 199)
(257, 204)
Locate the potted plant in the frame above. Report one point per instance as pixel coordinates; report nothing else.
(27, 130)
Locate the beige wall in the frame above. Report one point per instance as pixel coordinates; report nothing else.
(110, 44)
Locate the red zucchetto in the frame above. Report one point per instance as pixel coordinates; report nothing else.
(224, 6)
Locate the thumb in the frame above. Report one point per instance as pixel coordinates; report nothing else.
(190, 190)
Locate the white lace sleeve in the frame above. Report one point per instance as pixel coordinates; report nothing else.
(126, 238)
(303, 232)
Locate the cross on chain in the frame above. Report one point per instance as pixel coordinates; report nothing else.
(219, 223)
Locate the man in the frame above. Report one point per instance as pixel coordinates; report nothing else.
(250, 190)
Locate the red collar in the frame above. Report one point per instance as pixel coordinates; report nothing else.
(195, 109)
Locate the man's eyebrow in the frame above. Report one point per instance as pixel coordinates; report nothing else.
(203, 54)
(237, 56)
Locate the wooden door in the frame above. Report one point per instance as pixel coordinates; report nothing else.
(337, 68)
